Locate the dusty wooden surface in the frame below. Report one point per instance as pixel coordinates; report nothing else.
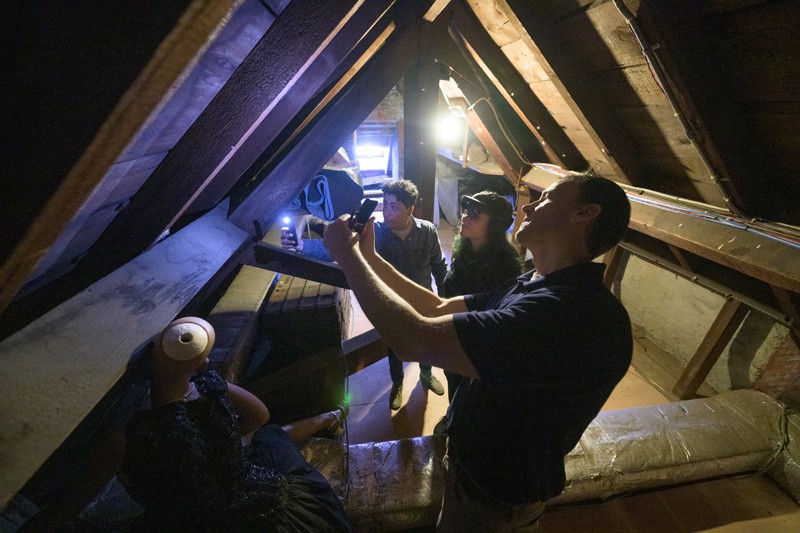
(58, 368)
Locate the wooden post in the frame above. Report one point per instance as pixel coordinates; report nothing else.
(612, 259)
(725, 325)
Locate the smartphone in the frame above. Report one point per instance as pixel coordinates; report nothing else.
(361, 215)
(289, 234)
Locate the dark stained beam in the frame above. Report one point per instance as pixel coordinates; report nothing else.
(613, 260)
(248, 113)
(362, 351)
(64, 162)
(358, 56)
(474, 42)
(480, 114)
(420, 112)
(243, 103)
(358, 30)
(790, 305)
(276, 259)
(274, 186)
(680, 256)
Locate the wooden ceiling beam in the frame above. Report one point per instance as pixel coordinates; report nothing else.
(481, 118)
(474, 42)
(248, 113)
(549, 50)
(274, 186)
(345, 46)
(173, 56)
(420, 112)
(222, 130)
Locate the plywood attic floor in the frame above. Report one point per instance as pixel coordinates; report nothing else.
(747, 504)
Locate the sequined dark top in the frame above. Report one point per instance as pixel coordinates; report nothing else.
(185, 464)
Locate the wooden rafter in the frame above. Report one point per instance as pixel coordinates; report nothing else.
(420, 109)
(76, 352)
(474, 41)
(480, 116)
(790, 305)
(248, 113)
(719, 334)
(613, 260)
(173, 57)
(612, 149)
(276, 185)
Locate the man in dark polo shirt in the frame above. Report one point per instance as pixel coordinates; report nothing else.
(543, 354)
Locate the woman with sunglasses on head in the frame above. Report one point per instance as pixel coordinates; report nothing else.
(483, 258)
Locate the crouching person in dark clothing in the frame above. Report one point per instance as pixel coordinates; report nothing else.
(542, 354)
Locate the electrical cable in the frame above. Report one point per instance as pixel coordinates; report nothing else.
(500, 124)
(502, 129)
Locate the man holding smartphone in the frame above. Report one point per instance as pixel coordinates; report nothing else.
(541, 354)
(410, 245)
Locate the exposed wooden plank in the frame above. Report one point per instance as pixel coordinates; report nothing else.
(719, 334)
(548, 47)
(435, 10)
(748, 252)
(513, 87)
(364, 22)
(280, 183)
(235, 321)
(363, 350)
(249, 112)
(77, 351)
(681, 257)
(185, 101)
(173, 56)
(660, 367)
(248, 98)
(612, 259)
(276, 258)
(789, 305)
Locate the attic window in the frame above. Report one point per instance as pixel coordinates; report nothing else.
(373, 157)
(376, 148)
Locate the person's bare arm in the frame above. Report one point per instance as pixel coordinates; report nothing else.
(424, 301)
(251, 410)
(414, 322)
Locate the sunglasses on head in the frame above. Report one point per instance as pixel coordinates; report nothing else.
(471, 208)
